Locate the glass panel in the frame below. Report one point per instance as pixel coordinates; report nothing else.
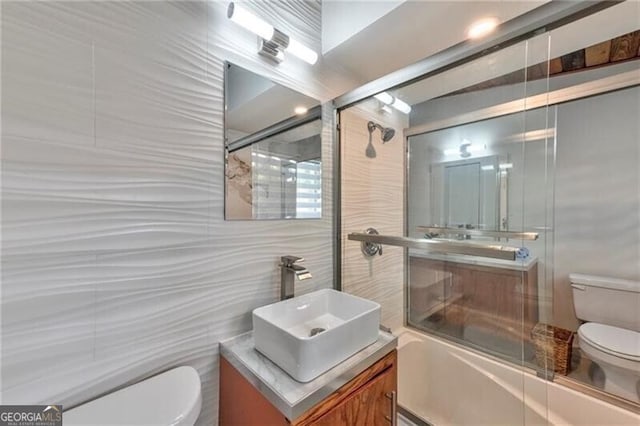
(540, 137)
(467, 176)
(597, 218)
(479, 302)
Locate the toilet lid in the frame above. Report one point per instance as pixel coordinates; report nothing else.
(172, 398)
(616, 341)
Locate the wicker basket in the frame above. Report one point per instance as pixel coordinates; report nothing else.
(553, 347)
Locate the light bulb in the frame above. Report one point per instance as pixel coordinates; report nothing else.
(476, 148)
(301, 51)
(401, 106)
(386, 109)
(249, 21)
(385, 98)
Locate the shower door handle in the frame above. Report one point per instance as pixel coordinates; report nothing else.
(393, 396)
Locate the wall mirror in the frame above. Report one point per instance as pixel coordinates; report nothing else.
(465, 193)
(471, 176)
(273, 149)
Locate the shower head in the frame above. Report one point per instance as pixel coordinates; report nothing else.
(387, 132)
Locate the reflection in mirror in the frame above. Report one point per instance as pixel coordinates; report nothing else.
(469, 170)
(273, 149)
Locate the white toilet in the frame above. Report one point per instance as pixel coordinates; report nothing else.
(611, 335)
(171, 398)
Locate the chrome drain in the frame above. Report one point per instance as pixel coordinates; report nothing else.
(316, 330)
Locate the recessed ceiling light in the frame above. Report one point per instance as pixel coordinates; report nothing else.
(299, 110)
(482, 27)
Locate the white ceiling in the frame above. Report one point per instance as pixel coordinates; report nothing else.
(563, 40)
(413, 31)
(409, 32)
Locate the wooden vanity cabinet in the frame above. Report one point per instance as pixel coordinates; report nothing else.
(367, 400)
(498, 299)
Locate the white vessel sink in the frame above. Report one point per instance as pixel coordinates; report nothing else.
(310, 334)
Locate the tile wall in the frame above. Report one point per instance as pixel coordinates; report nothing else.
(116, 261)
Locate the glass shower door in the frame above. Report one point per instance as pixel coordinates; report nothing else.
(486, 156)
(487, 304)
(479, 172)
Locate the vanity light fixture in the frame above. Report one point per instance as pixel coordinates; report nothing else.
(385, 98)
(396, 103)
(451, 151)
(386, 109)
(482, 27)
(465, 149)
(273, 42)
(301, 51)
(300, 110)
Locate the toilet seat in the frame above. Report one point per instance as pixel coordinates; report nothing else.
(615, 341)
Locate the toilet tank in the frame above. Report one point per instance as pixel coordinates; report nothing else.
(604, 300)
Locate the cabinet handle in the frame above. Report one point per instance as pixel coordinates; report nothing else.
(393, 396)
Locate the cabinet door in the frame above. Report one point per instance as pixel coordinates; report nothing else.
(371, 405)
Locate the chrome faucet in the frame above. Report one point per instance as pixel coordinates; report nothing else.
(289, 270)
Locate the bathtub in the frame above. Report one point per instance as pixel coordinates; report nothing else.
(445, 384)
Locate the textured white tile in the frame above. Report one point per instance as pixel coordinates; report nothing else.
(117, 263)
(46, 77)
(153, 107)
(372, 196)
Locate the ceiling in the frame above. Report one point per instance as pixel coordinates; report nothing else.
(606, 53)
(557, 43)
(415, 30)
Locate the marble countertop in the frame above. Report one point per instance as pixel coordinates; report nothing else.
(290, 397)
(517, 265)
